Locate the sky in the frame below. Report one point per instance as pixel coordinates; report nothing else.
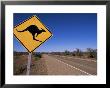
(70, 31)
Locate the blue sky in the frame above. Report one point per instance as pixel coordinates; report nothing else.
(70, 31)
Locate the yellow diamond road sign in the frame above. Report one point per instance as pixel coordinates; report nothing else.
(32, 33)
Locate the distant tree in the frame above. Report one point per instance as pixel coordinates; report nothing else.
(78, 52)
(73, 53)
(38, 54)
(92, 53)
(66, 52)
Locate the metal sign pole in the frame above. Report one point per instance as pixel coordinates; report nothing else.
(29, 63)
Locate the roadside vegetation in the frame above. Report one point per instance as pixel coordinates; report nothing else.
(19, 64)
(20, 61)
(37, 56)
(89, 53)
(20, 58)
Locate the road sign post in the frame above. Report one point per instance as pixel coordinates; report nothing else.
(29, 63)
(31, 33)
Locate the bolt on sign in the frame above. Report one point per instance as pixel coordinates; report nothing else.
(32, 33)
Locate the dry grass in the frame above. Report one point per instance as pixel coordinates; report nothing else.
(38, 66)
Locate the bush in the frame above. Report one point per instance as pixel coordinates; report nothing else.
(66, 52)
(73, 54)
(78, 52)
(37, 56)
(19, 69)
(92, 53)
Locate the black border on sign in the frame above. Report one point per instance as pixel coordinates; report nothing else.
(2, 52)
(41, 23)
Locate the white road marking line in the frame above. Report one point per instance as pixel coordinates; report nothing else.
(74, 67)
(80, 59)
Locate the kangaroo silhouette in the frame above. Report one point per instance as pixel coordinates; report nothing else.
(33, 30)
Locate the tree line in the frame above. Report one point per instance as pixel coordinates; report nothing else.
(89, 53)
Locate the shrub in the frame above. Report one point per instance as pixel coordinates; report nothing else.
(92, 53)
(78, 52)
(37, 56)
(66, 52)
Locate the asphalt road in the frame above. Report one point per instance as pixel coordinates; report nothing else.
(63, 65)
